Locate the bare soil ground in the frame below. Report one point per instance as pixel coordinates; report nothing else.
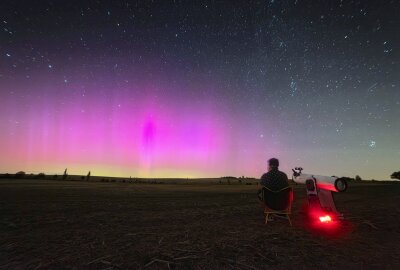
(82, 225)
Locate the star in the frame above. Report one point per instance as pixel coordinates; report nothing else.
(372, 144)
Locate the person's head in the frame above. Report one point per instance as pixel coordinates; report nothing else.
(273, 163)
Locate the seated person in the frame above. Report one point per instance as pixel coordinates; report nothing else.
(274, 179)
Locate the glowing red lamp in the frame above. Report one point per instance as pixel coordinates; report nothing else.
(325, 219)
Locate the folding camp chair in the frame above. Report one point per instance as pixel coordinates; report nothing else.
(278, 202)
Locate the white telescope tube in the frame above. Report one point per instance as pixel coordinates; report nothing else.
(331, 183)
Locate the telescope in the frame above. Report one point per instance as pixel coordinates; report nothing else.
(331, 183)
(319, 193)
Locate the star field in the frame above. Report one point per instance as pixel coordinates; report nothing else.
(200, 88)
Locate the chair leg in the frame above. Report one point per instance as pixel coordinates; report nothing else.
(288, 217)
(266, 218)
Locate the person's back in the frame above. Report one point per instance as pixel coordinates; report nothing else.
(274, 179)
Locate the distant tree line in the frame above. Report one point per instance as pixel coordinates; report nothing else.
(395, 175)
(22, 174)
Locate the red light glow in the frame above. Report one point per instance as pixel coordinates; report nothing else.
(325, 219)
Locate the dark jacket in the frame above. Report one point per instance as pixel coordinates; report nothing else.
(274, 180)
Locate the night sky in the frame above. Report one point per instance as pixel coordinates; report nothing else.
(200, 88)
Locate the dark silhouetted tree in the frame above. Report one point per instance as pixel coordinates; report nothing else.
(65, 175)
(20, 174)
(88, 176)
(358, 178)
(395, 175)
